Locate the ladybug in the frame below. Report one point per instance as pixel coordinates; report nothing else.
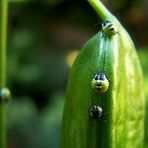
(96, 112)
(100, 83)
(109, 28)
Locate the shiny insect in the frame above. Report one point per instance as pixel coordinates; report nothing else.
(96, 112)
(109, 28)
(100, 83)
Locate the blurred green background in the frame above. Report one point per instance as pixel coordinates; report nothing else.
(44, 37)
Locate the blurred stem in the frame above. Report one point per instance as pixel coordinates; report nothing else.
(3, 32)
(100, 9)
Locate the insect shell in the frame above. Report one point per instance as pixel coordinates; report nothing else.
(109, 28)
(100, 83)
(96, 112)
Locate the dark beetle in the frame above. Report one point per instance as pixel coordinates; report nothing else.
(96, 112)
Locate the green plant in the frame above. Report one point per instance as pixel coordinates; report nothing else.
(4, 92)
(143, 58)
(117, 115)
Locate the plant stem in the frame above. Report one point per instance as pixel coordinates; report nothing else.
(3, 32)
(101, 9)
(3, 125)
(3, 29)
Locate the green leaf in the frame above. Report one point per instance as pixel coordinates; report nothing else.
(123, 102)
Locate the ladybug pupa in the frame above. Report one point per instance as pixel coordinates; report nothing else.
(96, 112)
(100, 83)
(109, 28)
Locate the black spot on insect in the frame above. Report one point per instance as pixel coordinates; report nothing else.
(112, 29)
(98, 84)
(100, 76)
(105, 23)
(110, 25)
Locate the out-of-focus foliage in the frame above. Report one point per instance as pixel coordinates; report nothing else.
(51, 118)
(19, 1)
(27, 128)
